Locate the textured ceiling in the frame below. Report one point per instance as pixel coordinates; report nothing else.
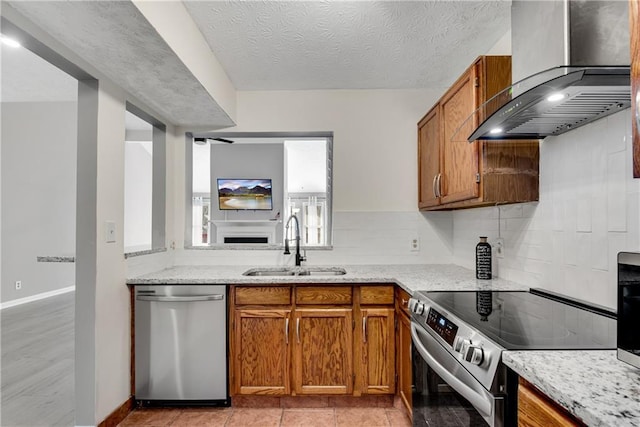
(270, 45)
(114, 37)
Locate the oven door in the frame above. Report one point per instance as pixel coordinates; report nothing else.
(629, 308)
(445, 393)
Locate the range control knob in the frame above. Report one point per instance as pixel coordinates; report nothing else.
(459, 343)
(413, 303)
(474, 354)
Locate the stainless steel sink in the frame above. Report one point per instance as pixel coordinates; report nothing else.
(269, 272)
(322, 271)
(295, 271)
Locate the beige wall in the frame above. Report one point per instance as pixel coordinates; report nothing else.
(374, 138)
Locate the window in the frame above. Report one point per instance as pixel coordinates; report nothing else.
(296, 166)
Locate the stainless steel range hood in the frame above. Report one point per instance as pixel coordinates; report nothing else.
(583, 48)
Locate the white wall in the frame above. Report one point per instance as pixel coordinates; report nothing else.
(38, 195)
(374, 146)
(589, 210)
(375, 169)
(138, 177)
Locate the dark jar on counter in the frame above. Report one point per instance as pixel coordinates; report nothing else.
(483, 259)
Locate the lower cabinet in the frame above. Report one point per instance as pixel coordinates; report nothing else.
(378, 350)
(403, 349)
(323, 361)
(261, 347)
(537, 410)
(312, 340)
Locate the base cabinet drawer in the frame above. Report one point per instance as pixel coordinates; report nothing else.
(320, 295)
(263, 295)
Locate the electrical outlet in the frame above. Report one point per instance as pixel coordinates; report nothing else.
(498, 247)
(18, 285)
(415, 244)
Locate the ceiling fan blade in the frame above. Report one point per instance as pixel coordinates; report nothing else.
(228, 141)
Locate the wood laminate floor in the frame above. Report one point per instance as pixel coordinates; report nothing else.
(37, 362)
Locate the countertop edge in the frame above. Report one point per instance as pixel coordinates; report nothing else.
(592, 385)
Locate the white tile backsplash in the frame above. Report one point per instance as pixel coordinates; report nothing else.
(358, 238)
(589, 210)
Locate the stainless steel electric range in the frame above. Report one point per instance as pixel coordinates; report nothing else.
(458, 339)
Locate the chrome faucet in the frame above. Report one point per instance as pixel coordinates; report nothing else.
(299, 258)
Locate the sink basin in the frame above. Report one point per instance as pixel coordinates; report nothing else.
(269, 272)
(296, 271)
(322, 271)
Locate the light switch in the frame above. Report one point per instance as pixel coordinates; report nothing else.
(110, 231)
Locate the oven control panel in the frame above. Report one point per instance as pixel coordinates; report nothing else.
(442, 326)
(479, 355)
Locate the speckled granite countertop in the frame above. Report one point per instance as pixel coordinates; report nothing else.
(410, 277)
(592, 385)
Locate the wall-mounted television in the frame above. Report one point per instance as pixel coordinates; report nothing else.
(244, 194)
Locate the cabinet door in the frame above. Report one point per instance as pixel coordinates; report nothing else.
(460, 158)
(536, 410)
(403, 352)
(324, 351)
(378, 353)
(262, 352)
(634, 21)
(429, 159)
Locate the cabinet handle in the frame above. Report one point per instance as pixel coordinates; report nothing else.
(405, 302)
(439, 185)
(286, 331)
(298, 329)
(638, 111)
(433, 186)
(364, 329)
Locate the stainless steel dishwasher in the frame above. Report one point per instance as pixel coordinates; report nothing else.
(181, 345)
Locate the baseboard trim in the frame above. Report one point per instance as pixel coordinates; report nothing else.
(119, 414)
(36, 297)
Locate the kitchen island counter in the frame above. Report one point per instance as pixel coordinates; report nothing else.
(411, 277)
(593, 385)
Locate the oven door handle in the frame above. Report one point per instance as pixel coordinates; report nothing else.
(482, 403)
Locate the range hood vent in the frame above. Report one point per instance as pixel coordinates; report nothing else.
(583, 47)
(567, 98)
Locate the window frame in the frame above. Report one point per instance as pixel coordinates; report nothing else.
(188, 222)
(159, 181)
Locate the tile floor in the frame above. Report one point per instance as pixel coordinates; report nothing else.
(268, 417)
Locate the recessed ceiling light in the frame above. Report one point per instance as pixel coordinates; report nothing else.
(9, 41)
(555, 97)
(495, 131)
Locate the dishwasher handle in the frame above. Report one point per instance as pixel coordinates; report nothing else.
(162, 298)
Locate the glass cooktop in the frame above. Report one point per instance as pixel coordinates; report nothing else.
(522, 320)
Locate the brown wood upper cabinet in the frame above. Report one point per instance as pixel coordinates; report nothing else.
(453, 173)
(634, 24)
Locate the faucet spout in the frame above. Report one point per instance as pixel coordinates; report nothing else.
(299, 258)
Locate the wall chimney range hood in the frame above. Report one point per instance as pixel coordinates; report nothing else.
(567, 98)
(590, 35)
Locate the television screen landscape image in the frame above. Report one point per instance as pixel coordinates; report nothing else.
(244, 194)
